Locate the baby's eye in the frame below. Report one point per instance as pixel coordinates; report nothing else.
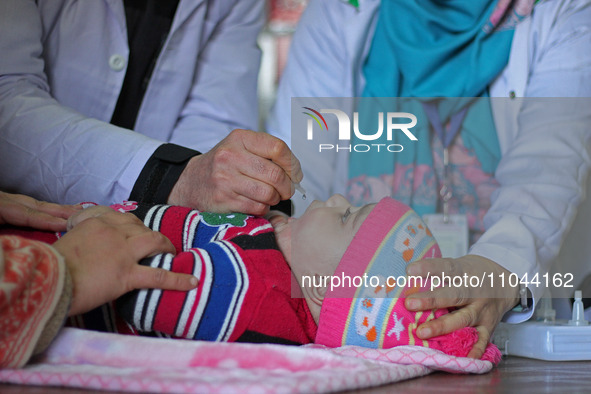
(346, 214)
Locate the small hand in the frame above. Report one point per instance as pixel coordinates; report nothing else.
(276, 216)
(102, 252)
(25, 211)
(246, 172)
(481, 307)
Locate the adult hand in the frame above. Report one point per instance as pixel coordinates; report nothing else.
(25, 211)
(480, 307)
(102, 252)
(247, 172)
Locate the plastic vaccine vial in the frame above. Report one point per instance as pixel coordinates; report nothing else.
(544, 311)
(578, 318)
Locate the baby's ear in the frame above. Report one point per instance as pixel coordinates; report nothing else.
(317, 293)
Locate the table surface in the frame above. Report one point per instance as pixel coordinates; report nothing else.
(513, 374)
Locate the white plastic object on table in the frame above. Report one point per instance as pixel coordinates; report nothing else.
(546, 338)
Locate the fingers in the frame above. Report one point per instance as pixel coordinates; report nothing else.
(143, 241)
(481, 302)
(448, 323)
(261, 192)
(92, 212)
(156, 278)
(149, 243)
(57, 210)
(477, 314)
(21, 210)
(480, 346)
(433, 267)
(272, 182)
(246, 172)
(274, 149)
(468, 277)
(438, 298)
(453, 321)
(19, 215)
(105, 214)
(246, 205)
(251, 174)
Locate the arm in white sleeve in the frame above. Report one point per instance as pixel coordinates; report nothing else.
(48, 150)
(224, 92)
(543, 174)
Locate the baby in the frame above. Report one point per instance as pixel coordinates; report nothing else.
(274, 281)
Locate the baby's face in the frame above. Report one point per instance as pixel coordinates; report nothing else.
(321, 235)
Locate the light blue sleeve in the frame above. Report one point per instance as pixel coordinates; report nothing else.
(224, 92)
(544, 173)
(317, 62)
(324, 61)
(47, 150)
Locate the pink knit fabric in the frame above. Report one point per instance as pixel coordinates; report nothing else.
(374, 315)
(102, 361)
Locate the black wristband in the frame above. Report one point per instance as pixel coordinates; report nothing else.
(161, 173)
(285, 206)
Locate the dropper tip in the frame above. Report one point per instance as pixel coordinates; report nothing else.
(299, 188)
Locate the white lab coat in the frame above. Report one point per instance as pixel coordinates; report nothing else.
(545, 166)
(62, 65)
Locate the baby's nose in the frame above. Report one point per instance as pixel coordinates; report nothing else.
(336, 200)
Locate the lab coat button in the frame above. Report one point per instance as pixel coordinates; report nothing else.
(117, 62)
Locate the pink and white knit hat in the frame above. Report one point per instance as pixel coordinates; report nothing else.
(368, 308)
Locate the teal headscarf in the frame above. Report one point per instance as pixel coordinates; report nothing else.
(434, 48)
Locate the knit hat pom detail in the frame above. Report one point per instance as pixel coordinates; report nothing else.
(460, 342)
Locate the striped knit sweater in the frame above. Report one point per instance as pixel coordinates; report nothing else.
(245, 284)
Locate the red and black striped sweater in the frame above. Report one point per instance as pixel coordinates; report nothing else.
(245, 284)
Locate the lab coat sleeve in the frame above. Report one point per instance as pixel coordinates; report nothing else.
(543, 174)
(316, 65)
(319, 65)
(48, 150)
(224, 92)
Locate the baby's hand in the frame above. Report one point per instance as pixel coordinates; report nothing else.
(277, 219)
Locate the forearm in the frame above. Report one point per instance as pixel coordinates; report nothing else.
(542, 184)
(161, 173)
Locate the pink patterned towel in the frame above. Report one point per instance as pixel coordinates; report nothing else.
(104, 361)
